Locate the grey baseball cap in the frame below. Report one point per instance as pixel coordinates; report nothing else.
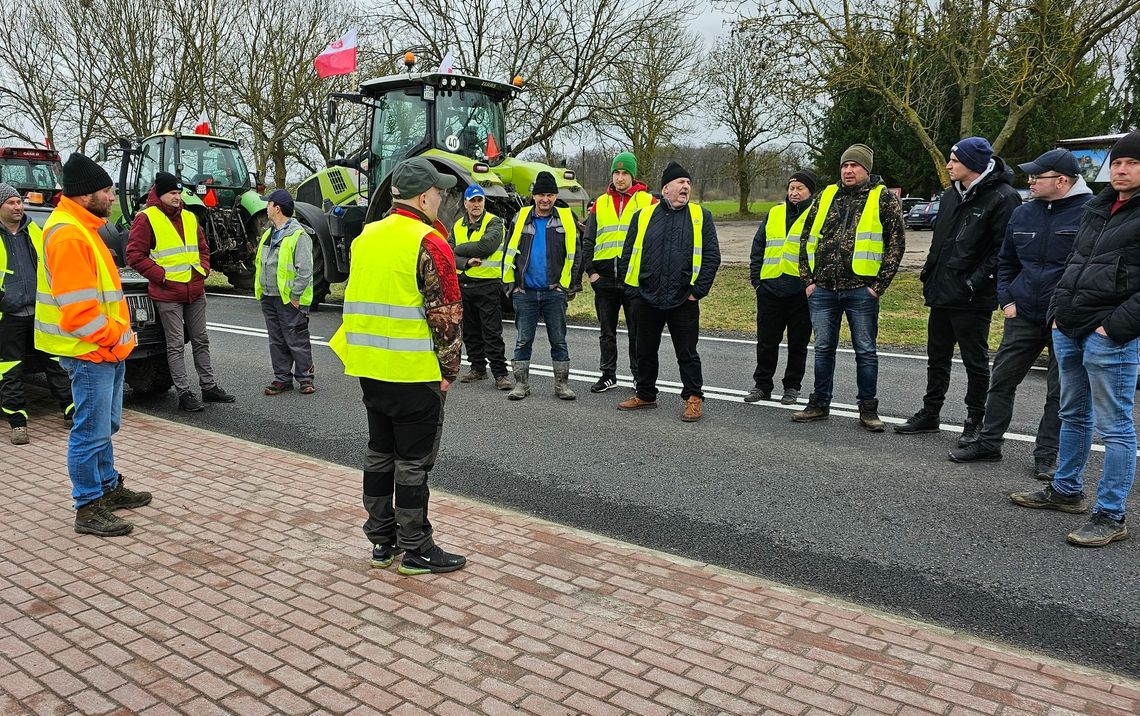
(413, 177)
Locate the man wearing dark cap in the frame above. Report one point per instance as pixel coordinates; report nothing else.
(1095, 316)
(82, 317)
(168, 246)
(959, 281)
(1037, 244)
(669, 262)
(602, 241)
(780, 301)
(477, 239)
(543, 272)
(283, 283)
(401, 338)
(853, 242)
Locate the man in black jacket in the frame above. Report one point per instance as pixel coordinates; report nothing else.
(669, 261)
(1095, 316)
(959, 284)
(1037, 244)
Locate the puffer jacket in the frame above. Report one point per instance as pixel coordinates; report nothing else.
(960, 270)
(141, 240)
(1101, 282)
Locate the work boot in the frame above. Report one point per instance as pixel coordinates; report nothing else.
(189, 402)
(121, 498)
(869, 415)
(562, 380)
(502, 382)
(384, 554)
(95, 519)
(1045, 468)
(278, 387)
(692, 409)
(636, 403)
(217, 395)
(1050, 499)
(20, 435)
(756, 395)
(970, 430)
(924, 421)
(1099, 531)
(473, 375)
(814, 411)
(433, 561)
(606, 382)
(521, 369)
(975, 452)
(791, 396)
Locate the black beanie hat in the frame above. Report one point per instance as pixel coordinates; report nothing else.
(806, 177)
(166, 182)
(1126, 146)
(674, 171)
(544, 184)
(82, 176)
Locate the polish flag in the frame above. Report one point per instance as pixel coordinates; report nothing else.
(203, 124)
(446, 65)
(47, 139)
(339, 58)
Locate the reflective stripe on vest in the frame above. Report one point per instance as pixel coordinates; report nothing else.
(868, 250)
(633, 273)
(49, 334)
(384, 334)
(492, 266)
(286, 270)
(611, 231)
(569, 227)
(782, 252)
(177, 255)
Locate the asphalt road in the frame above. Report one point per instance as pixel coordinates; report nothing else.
(881, 519)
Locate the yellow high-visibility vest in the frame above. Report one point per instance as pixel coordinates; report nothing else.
(632, 274)
(568, 226)
(177, 255)
(492, 266)
(37, 237)
(868, 254)
(286, 272)
(611, 228)
(782, 252)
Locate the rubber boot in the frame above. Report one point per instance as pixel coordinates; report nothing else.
(562, 380)
(521, 369)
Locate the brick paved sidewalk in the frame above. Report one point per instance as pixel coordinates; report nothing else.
(245, 589)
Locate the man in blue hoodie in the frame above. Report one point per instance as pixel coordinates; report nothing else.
(1037, 244)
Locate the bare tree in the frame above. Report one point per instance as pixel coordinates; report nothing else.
(33, 98)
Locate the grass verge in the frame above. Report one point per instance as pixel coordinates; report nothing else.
(729, 209)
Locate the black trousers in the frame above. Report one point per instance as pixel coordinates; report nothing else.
(483, 326)
(774, 315)
(18, 358)
(405, 422)
(684, 324)
(1021, 343)
(970, 330)
(609, 298)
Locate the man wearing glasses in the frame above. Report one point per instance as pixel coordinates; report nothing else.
(1037, 245)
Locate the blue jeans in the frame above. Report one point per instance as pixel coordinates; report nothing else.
(97, 389)
(551, 306)
(862, 310)
(1098, 385)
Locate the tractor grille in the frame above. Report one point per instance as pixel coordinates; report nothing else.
(337, 181)
(142, 310)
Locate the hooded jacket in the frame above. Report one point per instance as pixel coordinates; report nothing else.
(140, 241)
(960, 270)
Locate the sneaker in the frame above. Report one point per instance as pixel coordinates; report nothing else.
(20, 435)
(692, 411)
(869, 416)
(121, 498)
(1044, 469)
(1050, 499)
(384, 554)
(756, 395)
(434, 561)
(791, 396)
(975, 452)
(636, 403)
(503, 383)
(1099, 531)
(308, 388)
(923, 421)
(604, 383)
(189, 402)
(278, 387)
(95, 519)
(473, 375)
(814, 411)
(217, 395)
(970, 430)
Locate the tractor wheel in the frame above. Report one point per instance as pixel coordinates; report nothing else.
(320, 276)
(150, 375)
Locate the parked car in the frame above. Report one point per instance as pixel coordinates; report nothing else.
(922, 216)
(909, 202)
(1025, 195)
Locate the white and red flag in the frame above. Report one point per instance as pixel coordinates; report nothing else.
(202, 126)
(339, 58)
(447, 64)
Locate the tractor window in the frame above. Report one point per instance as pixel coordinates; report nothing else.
(471, 124)
(148, 167)
(208, 162)
(400, 123)
(28, 174)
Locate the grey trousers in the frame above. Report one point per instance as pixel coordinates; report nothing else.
(405, 422)
(182, 321)
(289, 349)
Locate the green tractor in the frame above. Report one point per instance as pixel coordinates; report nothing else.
(457, 122)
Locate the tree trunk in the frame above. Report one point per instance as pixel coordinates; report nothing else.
(743, 179)
(279, 169)
(1012, 120)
